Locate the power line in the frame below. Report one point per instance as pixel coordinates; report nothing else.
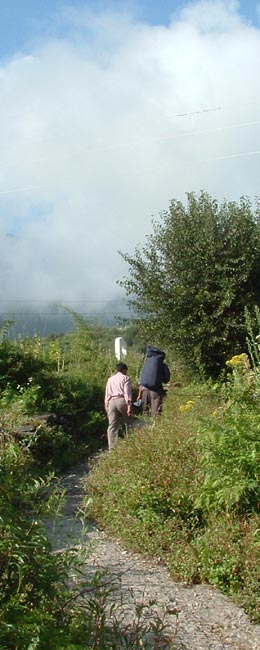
(226, 127)
(152, 139)
(84, 313)
(31, 188)
(50, 300)
(212, 109)
(203, 110)
(234, 155)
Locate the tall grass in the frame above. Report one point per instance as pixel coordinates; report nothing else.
(187, 487)
(41, 603)
(48, 599)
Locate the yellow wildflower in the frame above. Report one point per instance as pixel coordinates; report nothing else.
(238, 360)
(187, 406)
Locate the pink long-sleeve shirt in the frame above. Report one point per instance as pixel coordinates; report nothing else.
(118, 385)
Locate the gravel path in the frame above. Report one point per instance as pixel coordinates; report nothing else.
(206, 619)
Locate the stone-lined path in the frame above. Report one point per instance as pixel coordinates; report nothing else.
(206, 619)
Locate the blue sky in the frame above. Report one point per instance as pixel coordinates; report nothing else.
(22, 22)
(105, 117)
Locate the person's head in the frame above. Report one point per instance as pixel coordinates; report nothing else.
(121, 367)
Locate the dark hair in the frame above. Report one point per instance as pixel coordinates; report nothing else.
(121, 367)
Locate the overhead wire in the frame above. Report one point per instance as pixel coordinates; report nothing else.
(159, 139)
(59, 302)
(82, 313)
(235, 155)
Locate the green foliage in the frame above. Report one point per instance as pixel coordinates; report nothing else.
(184, 488)
(252, 320)
(4, 328)
(29, 573)
(37, 607)
(187, 490)
(65, 376)
(192, 280)
(230, 453)
(149, 481)
(230, 443)
(20, 366)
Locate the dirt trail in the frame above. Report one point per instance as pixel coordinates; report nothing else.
(207, 620)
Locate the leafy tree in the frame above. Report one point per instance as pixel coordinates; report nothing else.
(197, 272)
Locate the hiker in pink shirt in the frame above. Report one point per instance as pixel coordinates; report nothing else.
(118, 402)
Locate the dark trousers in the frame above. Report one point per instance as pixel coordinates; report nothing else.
(152, 401)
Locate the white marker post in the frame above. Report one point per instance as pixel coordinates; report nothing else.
(120, 348)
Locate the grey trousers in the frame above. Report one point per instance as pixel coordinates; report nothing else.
(116, 409)
(152, 402)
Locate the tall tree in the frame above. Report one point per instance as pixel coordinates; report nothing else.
(197, 272)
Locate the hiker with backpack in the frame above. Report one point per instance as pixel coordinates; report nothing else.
(155, 373)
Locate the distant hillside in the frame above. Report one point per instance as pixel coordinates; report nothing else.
(54, 319)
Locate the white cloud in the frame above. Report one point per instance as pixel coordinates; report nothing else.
(93, 132)
(217, 16)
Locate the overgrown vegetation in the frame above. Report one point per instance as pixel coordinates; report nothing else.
(197, 272)
(187, 487)
(64, 376)
(39, 605)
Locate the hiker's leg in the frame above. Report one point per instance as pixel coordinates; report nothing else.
(156, 402)
(146, 401)
(122, 409)
(113, 424)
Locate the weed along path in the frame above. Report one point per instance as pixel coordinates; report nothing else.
(199, 617)
(68, 528)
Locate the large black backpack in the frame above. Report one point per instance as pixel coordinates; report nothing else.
(154, 371)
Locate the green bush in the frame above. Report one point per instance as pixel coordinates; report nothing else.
(66, 378)
(30, 575)
(186, 489)
(56, 376)
(230, 454)
(149, 480)
(37, 605)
